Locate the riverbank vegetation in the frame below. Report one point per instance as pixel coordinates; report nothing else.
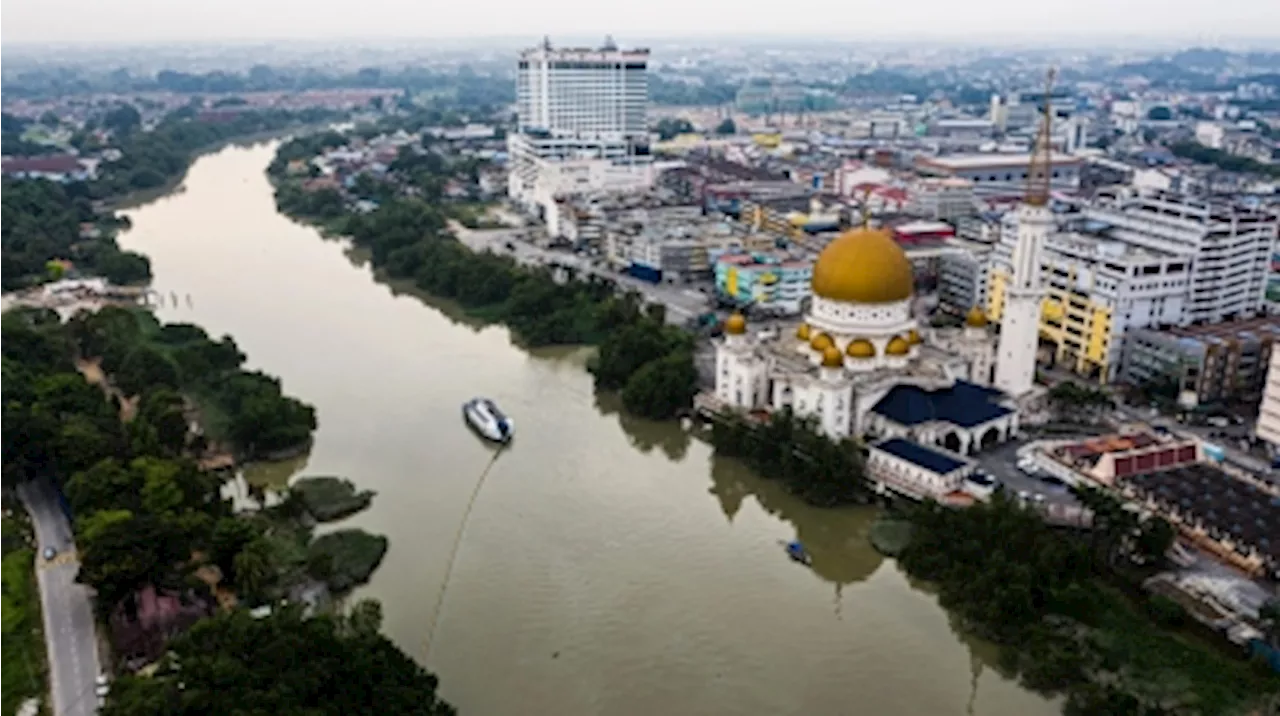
(1063, 611)
(330, 498)
(23, 647)
(152, 158)
(283, 664)
(42, 222)
(147, 518)
(784, 447)
(164, 366)
(407, 240)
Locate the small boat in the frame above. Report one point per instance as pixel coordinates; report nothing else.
(485, 418)
(797, 553)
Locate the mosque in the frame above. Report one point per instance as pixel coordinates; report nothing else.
(862, 366)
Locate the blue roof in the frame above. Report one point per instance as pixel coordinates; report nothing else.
(963, 404)
(917, 454)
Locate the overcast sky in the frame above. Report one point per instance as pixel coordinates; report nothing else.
(131, 21)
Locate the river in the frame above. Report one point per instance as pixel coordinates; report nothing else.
(611, 565)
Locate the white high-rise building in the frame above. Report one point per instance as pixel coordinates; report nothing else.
(1228, 246)
(581, 92)
(581, 125)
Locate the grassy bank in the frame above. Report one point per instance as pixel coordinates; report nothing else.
(23, 643)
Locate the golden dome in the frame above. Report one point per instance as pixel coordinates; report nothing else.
(831, 358)
(897, 347)
(735, 325)
(821, 342)
(803, 332)
(913, 337)
(861, 348)
(863, 265)
(976, 318)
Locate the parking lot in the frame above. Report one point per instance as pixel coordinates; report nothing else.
(1001, 462)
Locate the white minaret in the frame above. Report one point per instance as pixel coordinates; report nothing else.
(1020, 320)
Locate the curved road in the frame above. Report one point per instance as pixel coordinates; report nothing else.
(65, 605)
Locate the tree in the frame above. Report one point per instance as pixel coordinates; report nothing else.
(254, 569)
(661, 388)
(1159, 114)
(282, 664)
(668, 127)
(727, 127)
(365, 618)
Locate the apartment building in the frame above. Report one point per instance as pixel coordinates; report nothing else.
(1096, 288)
(1268, 427)
(1219, 363)
(1226, 247)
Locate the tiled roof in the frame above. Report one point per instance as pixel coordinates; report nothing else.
(964, 404)
(917, 454)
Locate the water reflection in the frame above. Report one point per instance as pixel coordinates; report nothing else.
(645, 435)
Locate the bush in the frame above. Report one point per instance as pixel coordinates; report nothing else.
(354, 554)
(330, 498)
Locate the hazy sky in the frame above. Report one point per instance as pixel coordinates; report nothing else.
(129, 21)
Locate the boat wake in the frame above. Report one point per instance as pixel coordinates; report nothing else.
(453, 551)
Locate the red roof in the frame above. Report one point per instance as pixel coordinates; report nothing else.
(54, 163)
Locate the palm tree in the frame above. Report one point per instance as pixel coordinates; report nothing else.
(254, 569)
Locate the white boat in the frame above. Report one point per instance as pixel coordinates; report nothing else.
(485, 418)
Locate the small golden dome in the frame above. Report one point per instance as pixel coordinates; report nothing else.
(913, 337)
(821, 342)
(861, 348)
(863, 266)
(803, 332)
(831, 358)
(735, 325)
(976, 318)
(898, 346)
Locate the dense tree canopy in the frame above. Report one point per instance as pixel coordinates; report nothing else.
(1045, 597)
(41, 221)
(283, 665)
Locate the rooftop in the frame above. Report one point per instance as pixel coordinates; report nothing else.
(958, 162)
(1232, 507)
(928, 458)
(964, 404)
(1263, 327)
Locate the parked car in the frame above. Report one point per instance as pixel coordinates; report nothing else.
(50, 553)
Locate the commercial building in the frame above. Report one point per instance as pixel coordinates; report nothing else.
(581, 124)
(770, 282)
(963, 277)
(1096, 289)
(939, 198)
(584, 92)
(1220, 362)
(1226, 246)
(993, 174)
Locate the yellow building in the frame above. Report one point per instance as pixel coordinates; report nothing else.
(1095, 289)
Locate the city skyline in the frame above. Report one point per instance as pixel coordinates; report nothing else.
(992, 21)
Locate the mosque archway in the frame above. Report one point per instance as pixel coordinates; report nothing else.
(953, 442)
(990, 438)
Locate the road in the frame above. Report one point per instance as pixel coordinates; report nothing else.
(682, 302)
(68, 615)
